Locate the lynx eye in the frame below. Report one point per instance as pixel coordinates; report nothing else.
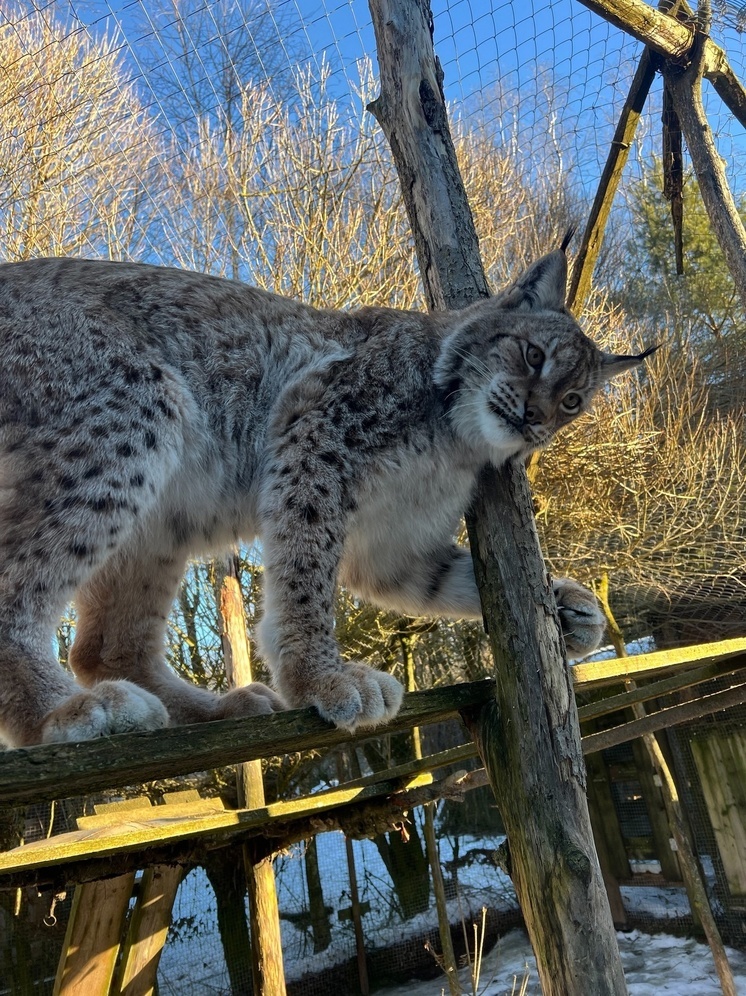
(571, 402)
(534, 357)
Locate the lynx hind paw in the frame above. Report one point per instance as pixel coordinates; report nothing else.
(357, 696)
(101, 711)
(583, 622)
(251, 700)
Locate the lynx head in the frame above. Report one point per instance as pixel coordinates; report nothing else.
(516, 367)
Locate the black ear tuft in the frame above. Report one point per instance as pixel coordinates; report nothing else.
(616, 363)
(541, 287)
(567, 239)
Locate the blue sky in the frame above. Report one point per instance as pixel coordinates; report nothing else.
(481, 43)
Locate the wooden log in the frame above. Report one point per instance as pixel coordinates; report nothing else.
(52, 771)
(529, 737)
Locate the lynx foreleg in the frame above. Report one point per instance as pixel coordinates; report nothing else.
(302, 537)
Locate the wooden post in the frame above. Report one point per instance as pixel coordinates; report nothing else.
(529, 736)
(590, 246)
(448, 955)
(266, 941)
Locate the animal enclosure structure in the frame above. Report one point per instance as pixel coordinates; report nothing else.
(224, 219)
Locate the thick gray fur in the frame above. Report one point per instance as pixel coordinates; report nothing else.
(148, 415)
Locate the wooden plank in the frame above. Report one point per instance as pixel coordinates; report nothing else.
(36, 774)
(619, 669)
(131, 834)
(665, 718)
(93, 937)
(721, 765)
(147, 931)
(96, 924)
(655, 689)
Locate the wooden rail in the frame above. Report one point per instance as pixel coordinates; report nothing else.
(55, 771)
(180, 834)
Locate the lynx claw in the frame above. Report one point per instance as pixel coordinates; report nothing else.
(583, 622)
(101, 711)
(358, 696)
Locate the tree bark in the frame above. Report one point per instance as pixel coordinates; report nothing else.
(529, 736)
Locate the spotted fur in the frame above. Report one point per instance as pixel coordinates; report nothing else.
(150, 414)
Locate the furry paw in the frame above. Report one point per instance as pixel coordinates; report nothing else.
(251, 700)
(104, 709)
(583, 622)
(356, 696)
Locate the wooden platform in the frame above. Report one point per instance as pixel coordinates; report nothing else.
(37, 773)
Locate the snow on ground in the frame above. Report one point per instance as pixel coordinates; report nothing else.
(653, 965)
(193, 963)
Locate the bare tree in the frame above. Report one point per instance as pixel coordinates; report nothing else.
(78, 153)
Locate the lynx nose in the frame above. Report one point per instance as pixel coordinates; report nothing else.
(533, 415)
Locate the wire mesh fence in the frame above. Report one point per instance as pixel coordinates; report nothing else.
(232, 137)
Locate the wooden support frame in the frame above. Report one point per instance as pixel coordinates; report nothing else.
(528, 735)
(178, 833)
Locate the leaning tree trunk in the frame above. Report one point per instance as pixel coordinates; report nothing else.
(529, 737)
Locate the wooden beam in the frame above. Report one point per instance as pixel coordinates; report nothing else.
(35, 774)
(144, 829)
(661, 33)
(611, 672)
(76, 858)
(665, 718)
(621, 143)
(673, 40)
(644, 693)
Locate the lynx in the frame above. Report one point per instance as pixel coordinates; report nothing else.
(149, 414)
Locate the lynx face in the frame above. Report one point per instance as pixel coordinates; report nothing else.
(514, 377)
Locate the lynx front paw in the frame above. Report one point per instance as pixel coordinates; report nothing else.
(104, 709)
(356, 696)
(583, 622)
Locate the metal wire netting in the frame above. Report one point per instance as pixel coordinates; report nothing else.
(232, 136)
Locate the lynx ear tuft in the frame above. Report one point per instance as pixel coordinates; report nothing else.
(568, 237)
(542, 287)
(614, 364)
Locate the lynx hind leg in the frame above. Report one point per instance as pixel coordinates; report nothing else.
(583, 622)
(75, 485)
(122, 618)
